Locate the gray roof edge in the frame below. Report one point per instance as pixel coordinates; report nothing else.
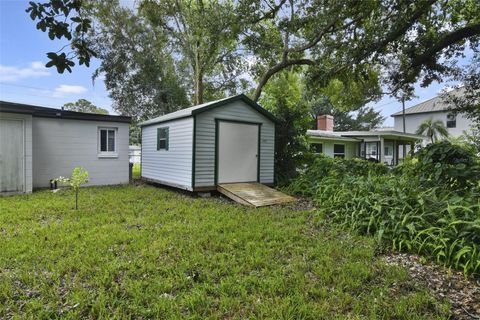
(193, 110)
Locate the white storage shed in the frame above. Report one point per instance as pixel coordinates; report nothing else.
(225, 141)
(38, 144)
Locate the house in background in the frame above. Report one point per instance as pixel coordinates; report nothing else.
(38, 144)
(386, 146)
(436, 108)
(230, 140)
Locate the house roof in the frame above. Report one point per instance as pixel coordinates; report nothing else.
(358, 135)
(44, 112)
(434, 104)
(188, 112)
(329, 135)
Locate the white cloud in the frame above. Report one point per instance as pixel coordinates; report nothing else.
(65, 89)
(36, 69)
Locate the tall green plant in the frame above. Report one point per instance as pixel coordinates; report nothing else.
(397, 208)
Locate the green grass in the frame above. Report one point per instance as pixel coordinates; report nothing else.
(146, 252)
(136, 171)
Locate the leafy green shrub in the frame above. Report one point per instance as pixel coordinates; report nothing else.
(397, 209)
(447, 163)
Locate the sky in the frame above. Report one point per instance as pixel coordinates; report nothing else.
(24, 79)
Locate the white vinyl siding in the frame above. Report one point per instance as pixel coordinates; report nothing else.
(26, 145)
(59, 145)
(205, 141)
(173, 166)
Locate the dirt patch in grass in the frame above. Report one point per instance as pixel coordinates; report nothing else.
(462, 293)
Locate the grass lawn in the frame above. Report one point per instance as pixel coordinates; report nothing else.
(146, 252)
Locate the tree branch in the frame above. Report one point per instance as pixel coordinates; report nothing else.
(278, 67)
(447, 40)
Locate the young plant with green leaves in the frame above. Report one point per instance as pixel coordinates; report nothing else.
(79, 177)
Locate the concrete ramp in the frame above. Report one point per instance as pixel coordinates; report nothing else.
(253, 194)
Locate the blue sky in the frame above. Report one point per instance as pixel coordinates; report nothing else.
(24, 79)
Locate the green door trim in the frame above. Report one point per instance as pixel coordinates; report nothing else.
(194, 147)
(217, 121)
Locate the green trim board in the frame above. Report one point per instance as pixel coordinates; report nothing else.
(258, 151)
(194, 147)
(217, 121)
(215, 179)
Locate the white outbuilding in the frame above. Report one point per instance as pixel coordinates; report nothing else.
(38, 144)
(230, 140)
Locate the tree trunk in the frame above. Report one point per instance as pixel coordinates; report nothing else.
(199, 88)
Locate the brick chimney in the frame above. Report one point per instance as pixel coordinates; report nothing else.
(325, 122)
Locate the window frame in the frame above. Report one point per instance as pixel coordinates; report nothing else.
(337, 154)
(449, 122)
(167, 138)
(107, 154)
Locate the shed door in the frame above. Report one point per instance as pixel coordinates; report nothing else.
(11, 155)
(237, 152)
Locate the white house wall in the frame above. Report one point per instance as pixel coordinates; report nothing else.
(173, 166)
(413, 121)
(205, 141)
(27, 121)
(351, 148)
(59, 145)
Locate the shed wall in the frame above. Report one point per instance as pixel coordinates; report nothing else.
(173, 166)
(205, 141)
(59, 145)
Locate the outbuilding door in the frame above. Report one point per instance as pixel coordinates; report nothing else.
(11, 155)
(238, 151)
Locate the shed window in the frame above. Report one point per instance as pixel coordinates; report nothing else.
(451, 120)
(339, 151)
(107, 145)
(316, 147)
(162, 138)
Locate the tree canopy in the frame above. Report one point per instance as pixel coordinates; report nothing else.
(214, 48)
(83, 105)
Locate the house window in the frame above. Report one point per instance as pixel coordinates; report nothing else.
(339, 151)
(371, 150)
(389, 150)
(451, 120)
(316, 147)
(107, 142)
(162, 138)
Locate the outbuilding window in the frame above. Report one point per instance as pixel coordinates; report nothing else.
(107, 142)
(339, 151)
(451, 120)
(162, 138)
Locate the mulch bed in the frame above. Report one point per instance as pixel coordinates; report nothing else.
(462, 293)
